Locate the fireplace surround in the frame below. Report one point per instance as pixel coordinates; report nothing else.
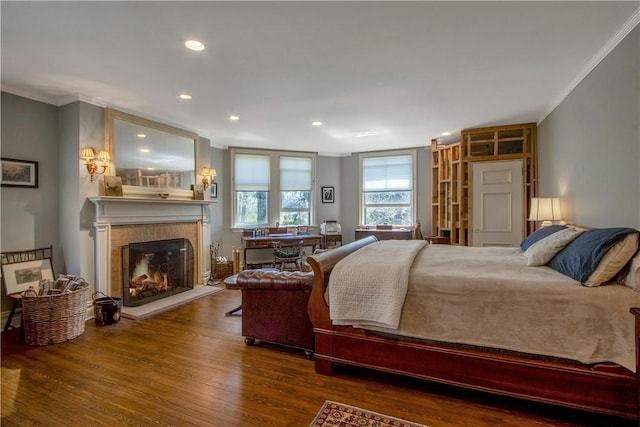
(121, 220)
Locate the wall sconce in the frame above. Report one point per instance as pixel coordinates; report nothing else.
(545, 210)
(88, 155)
(208, 176)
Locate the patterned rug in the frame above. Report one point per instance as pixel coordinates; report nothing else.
(339, 414)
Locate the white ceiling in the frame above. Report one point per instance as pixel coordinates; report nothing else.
(405, 71)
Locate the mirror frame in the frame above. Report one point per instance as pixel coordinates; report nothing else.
(135, 191)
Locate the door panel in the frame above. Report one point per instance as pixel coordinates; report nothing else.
(497, 203)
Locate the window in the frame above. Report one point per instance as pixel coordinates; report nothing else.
(295, 190)
(288, 178)
(387, 189)
(252, 181)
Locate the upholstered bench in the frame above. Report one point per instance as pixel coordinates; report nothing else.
(274, 308)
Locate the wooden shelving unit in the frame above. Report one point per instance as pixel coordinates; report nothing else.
(447, 203)
(451, 201)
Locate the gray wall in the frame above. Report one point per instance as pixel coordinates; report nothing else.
(29, 216)
(589, 146)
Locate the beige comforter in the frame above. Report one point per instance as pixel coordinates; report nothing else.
(489, 297)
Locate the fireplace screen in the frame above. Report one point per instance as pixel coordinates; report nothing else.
(155, 270)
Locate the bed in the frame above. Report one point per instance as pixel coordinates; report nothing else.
(588, 379)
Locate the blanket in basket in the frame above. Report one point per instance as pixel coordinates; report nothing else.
(362, 293)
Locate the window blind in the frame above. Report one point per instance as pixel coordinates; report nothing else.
(252, 172)
(392, 173)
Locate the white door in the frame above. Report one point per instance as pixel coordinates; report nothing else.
(497, 203)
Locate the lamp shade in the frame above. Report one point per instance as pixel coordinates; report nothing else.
(103, 156)
(87, 153)
(545, 209)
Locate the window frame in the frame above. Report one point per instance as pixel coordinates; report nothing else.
(274, 207)
(412, 197)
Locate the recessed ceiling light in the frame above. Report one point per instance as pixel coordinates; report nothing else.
(446, 133)
(363, 134)
(150, 169)
(234, 118)
(141, 135)
(144, 150)
(185, 96)
(194, 45)
(316, 123)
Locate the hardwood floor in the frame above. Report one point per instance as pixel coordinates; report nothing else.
(190, 367)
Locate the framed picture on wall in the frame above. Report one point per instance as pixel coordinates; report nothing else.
(214, 190)
(327, 194)
(19, 173)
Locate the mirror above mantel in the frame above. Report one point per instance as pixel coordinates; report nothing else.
(151, 158)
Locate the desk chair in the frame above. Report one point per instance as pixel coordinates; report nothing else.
(287, 254)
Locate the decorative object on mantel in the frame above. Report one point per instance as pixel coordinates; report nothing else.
(198, 192)
(334, 414)
(214, 190)
(89, 155)
(112, 186)
(19, 173)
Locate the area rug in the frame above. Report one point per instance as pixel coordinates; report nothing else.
(339, 414)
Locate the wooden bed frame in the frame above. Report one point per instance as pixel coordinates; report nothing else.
(606, 388)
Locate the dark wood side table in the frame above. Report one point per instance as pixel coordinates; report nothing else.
(437, 240)
(397, 234)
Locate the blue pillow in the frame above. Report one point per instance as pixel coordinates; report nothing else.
(539, 235)
(581, 257)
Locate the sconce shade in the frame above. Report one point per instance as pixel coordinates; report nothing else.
(214, 173)
(103, 156)
(545, 209)
(87, 153)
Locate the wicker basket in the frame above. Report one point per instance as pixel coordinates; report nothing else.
(53, 319)
(222, 270)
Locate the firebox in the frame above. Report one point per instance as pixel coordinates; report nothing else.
(156, 269)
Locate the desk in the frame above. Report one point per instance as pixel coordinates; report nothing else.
(266, 242)
(397, 234)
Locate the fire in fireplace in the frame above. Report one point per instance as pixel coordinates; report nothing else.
(155, 270)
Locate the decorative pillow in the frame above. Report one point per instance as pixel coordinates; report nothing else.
(613, 261)
(580, 258)
(630, 276)
(543, 250)
(539, 235)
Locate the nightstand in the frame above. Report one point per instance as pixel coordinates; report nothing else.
(437, 240)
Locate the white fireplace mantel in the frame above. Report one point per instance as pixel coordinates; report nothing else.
(127, 210)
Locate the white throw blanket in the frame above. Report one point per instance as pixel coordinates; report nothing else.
(362, 293)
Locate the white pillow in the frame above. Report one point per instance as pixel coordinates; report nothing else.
(543, 250)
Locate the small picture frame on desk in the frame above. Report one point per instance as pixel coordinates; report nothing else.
(328, 194)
